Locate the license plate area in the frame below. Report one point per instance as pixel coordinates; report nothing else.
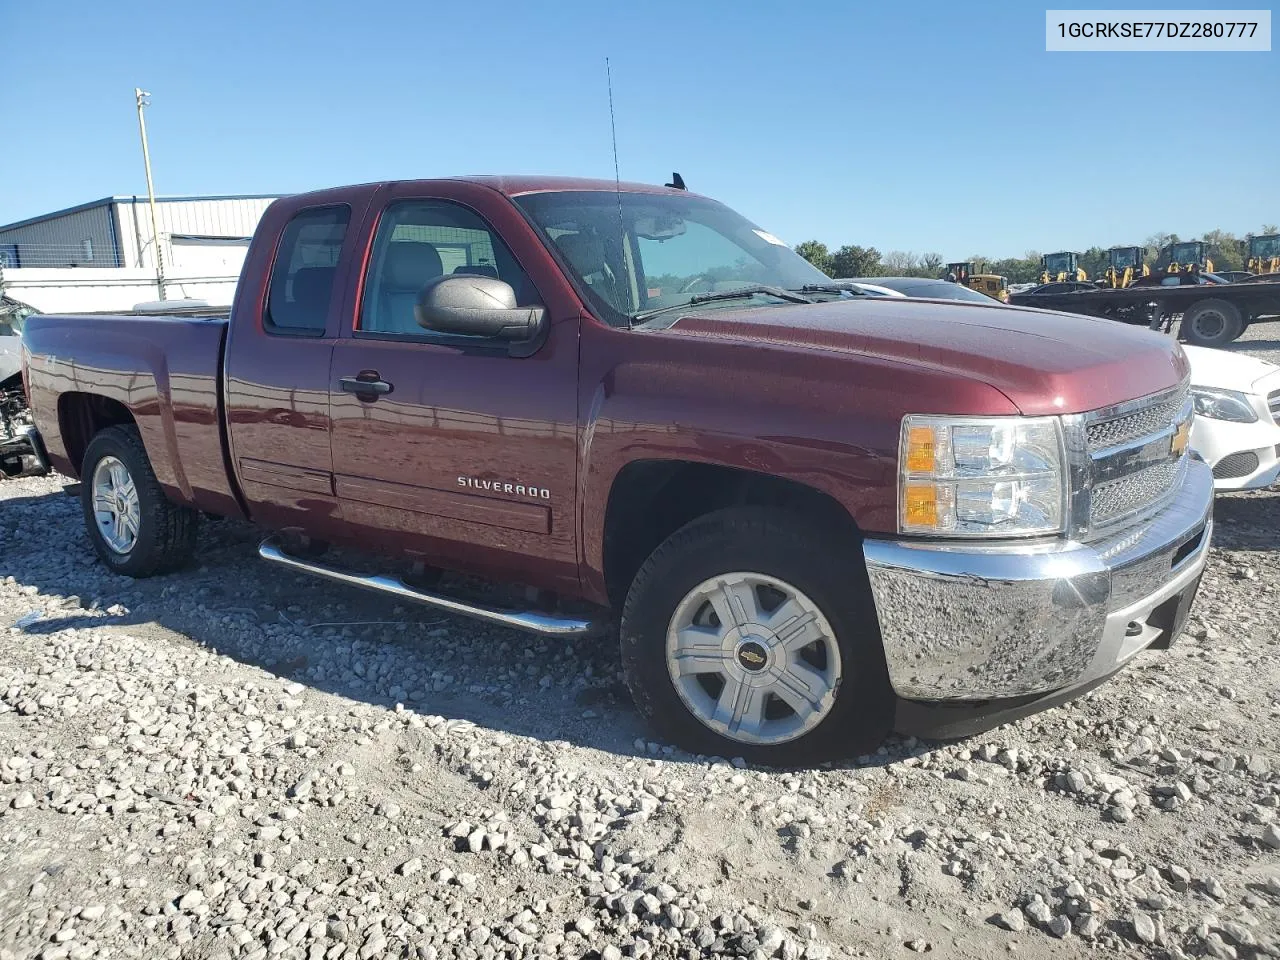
(1171, 616)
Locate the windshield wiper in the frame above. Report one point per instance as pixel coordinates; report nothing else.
(834, 288)
(738, 293)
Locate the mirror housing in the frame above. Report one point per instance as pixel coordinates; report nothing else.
(471, 305)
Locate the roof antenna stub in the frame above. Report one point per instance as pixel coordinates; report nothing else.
(677, 182)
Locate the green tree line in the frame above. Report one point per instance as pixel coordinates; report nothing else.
(1226, 250)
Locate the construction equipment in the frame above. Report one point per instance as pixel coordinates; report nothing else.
(993, 285)
(1187, 256)
(1064, 265)
(1264, 254)
(1124, 265)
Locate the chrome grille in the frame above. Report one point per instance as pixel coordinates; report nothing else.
(1126, 459)
(1273, 404)
(1143, 422)
(1129, 494)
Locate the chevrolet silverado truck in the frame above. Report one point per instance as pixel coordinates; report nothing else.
(809, 517)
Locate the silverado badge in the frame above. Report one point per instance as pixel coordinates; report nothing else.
(506, 486)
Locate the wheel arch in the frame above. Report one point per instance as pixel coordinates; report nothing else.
(82, 416)
(653, 498)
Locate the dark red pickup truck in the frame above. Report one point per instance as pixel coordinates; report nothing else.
(812, 515)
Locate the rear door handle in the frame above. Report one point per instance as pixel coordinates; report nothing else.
(366, 385)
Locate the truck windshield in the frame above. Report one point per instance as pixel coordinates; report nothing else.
(636, 254)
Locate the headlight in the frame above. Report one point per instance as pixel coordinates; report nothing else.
(1223, 405)
(988, 477)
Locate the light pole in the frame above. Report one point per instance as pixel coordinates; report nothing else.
(143, 99)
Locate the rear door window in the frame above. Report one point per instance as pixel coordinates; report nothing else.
(303, 276)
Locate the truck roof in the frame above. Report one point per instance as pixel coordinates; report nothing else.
(513, 185)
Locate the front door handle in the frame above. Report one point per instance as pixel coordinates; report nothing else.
(367, 385)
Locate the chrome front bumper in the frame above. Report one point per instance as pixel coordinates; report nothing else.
(996, 621)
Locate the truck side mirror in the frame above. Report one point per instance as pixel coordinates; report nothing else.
(476, 306)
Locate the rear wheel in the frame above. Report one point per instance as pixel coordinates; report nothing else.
(750, 632)
(134, 528)
(1211, 323)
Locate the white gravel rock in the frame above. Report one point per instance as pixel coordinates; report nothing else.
(1013, 920)
(1144, 927)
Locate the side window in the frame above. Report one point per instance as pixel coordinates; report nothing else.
(419, 241)
(304, 271)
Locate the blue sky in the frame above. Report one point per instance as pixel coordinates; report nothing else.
(921, 126)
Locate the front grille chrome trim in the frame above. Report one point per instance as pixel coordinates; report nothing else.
(1122, 464)
(1118, 499)
(1123, 423)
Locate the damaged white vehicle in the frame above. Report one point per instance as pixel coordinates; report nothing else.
(1237, 422)
(20, 447)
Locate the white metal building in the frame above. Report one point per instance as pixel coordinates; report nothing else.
(200, 236)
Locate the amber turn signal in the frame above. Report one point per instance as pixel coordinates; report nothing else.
(921, 449)
(922, 505)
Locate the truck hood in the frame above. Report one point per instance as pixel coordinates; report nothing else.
(1226, 370)
(1044, 362)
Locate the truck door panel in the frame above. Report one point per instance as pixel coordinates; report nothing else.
(469, 456)
(277, 376)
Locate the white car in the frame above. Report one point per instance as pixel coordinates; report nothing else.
(1237, 424)
(874, 289)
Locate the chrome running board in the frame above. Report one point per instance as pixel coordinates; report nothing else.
(544, 624)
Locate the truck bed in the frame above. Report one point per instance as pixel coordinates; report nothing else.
(165, 370)
(1131, 303)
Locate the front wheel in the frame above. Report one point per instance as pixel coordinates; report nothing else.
(134, 528)
(750, 632)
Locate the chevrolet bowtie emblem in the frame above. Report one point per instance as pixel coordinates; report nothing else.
(1181, 439)
(752, 657)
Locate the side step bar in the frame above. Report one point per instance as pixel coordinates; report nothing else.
(530, 621)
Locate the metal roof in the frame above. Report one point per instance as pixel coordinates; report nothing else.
(134, 198)
(521, 184)
(511, 186)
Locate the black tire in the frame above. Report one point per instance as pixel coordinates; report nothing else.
(1211, 323)
(166, 535)
(779, 544)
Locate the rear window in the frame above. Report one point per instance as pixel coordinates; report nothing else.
(305, 268)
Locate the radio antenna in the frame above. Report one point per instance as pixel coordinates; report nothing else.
(613, 127)
(617, 178)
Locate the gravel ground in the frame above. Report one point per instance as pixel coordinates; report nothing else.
(238, 762)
